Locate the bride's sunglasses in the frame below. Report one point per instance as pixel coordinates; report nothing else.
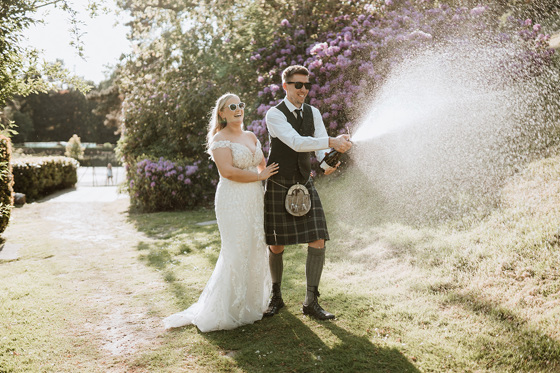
(233, 107)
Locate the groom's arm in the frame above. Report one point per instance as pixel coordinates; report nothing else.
(278, 126)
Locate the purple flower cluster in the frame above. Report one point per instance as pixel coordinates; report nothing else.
(165, 169)
(166, 185)
(538, 55)
(350, 60)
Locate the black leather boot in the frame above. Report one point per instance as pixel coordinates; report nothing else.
(276, 302)
(314, 309)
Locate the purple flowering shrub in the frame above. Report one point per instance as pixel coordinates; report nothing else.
(349, 47)
(288, 48)
(162, 124)
(164, 185)
(350, 60)
(538, 54)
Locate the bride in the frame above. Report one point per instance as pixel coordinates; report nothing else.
(238, 291)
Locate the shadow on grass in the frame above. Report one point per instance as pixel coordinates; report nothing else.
(176, 234)
(536, 351)
(290, 342)
(162, 260)
(165, 225)
(284, 343)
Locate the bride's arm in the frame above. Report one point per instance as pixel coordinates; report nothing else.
(224, 162)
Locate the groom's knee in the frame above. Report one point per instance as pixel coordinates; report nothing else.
(319, 244)
(276, 249)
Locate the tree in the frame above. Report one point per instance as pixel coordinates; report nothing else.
(25, 127)
(56, 115)
(14, 18)
(189, 53)
(109, 103)
(21, 72)
(74, 148)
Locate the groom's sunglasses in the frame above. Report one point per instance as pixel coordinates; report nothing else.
(233, 107)
(298, 85)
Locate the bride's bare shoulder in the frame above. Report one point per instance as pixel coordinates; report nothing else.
(251, 135)
(220, 136)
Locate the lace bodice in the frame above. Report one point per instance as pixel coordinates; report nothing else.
(243, 158)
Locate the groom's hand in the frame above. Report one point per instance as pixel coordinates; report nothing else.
(341, 143)
(330, 170)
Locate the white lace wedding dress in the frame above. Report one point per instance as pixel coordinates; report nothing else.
(238, 291)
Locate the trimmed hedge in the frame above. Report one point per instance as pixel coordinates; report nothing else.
(39, 177)
(6, 182)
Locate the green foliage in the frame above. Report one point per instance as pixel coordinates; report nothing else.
(21, 72)
(56, 115)
(38, 177)
(74, 148)
(13, 20)
(6, 182)
(203, 50)
(24, 125)
(109, 102)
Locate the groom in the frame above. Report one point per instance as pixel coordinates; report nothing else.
(297, 129)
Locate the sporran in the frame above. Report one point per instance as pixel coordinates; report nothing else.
(298, 200)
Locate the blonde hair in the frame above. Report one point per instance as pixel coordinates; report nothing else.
(216, 124)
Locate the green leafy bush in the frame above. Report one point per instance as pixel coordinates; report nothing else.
(6, 183)
(38, 177)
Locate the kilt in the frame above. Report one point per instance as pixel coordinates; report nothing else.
(282, 228)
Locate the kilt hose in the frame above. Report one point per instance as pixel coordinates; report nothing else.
(282, 228)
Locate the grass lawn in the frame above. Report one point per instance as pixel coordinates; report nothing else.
(475, 294)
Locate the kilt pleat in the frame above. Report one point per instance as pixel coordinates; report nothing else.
(282, 228)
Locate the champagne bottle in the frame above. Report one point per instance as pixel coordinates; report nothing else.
(331, 159)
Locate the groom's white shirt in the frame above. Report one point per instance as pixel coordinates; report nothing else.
(278, 126)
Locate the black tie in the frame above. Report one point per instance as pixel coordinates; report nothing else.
(298, 114)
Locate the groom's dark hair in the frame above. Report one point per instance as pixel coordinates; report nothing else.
(293, 70)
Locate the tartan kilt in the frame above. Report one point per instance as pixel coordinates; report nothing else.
(282, 228)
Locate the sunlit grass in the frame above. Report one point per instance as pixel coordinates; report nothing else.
(442, 297)
(438, 297)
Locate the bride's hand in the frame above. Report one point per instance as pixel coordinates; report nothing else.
(268, 171)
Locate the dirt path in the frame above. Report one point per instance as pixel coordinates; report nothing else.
(90, 238)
